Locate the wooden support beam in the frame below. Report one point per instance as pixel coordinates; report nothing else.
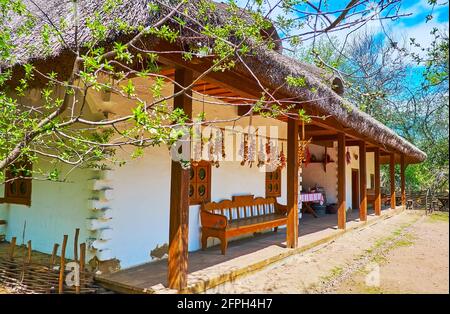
(245, 86)
(392, 178)
(242, 109)
(292, 184)
(353, 143)
(62, 265)
(341, 182)
(12, 247)
(54, 253)
(377, 202)
(75, 244)
(402, 179)
(322, 138)
(323, 143)
(362, 182)
(29, 250)
(81, 269)
(179, 198)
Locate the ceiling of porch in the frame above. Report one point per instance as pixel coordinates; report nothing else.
(321, 131)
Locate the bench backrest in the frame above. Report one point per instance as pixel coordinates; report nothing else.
(241, 207)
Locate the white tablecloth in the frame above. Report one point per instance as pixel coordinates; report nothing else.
(311, 197)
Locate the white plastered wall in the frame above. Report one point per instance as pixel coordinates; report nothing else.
(56, 209)
(140, 190)
(314, 174)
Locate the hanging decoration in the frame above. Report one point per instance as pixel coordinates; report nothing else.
(304, 155)
(261, 154)
(197, 146)
(251, 149)
(217, 146)
(282, 157)
(272, 156)
(348, 156)
(243, 151)
(268, 152)
(197, 139)
(210, 148)
(223, 144)
(307, 156)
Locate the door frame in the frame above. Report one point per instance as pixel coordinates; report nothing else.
(355, 188)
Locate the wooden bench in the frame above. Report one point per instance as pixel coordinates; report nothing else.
(241, 215)
(385, 200)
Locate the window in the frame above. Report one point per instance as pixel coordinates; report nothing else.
(273, 183)
(18, 186)
(200, 183)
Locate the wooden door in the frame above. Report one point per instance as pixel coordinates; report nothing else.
(355, 188)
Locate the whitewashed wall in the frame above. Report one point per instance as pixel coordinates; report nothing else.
(314, 173)
(140, 192)
(141, 189)
(370, 165)
(141, 202)
(56, 209)
(354, 164)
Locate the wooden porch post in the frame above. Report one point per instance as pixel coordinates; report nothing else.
(179, 198)
(402, 179)
(377, 203)
(362, 182)
(392, 178)
(292, 184)
(342, 210)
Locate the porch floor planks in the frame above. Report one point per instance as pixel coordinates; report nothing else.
(208, 265)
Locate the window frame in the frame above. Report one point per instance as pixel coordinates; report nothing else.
(16, 198)
(270, 180)
(197, 183)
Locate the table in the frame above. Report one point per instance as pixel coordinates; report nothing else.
(306, 198)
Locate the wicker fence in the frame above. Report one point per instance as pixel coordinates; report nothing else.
(23, 272)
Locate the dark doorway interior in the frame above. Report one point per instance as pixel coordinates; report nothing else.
(355, 188)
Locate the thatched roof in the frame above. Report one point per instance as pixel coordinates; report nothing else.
(271, 67)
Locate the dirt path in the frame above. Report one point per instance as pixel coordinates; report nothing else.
(379, 258)
(417, 263)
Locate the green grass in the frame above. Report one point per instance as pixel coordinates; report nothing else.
(334, 273)
(438, 217)
(379, 259)
(372, 290)
(402, 243)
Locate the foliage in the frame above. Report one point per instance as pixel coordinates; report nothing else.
(411, 100)
(59, 125)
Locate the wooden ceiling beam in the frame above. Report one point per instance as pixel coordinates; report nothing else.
(321, 138)
(248, 88)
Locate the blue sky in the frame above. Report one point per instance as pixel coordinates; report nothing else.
(405, 27)
(402, 29)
